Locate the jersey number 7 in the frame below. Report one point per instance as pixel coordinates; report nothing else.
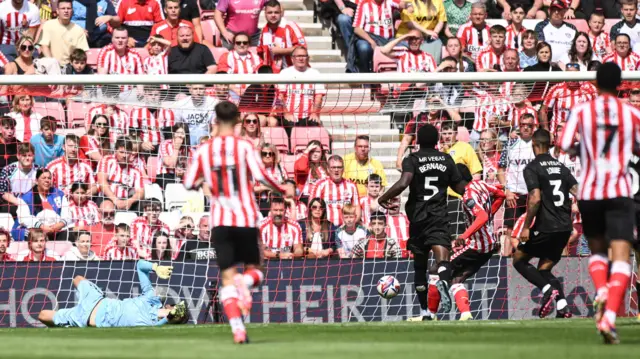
(610, 133)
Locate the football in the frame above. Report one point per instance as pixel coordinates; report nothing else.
(388, 287)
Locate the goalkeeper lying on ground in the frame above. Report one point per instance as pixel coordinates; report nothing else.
(94, 310)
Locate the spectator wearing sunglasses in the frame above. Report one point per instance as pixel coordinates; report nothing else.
(239, 61)
(30, 17)
(182, 235)
(581, 53)
(274, 168)
(22, 64)
(250, 129)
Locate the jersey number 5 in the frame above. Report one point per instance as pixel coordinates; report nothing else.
(557, 193)
(430, 187)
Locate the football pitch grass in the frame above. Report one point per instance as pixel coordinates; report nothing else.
(539, 339)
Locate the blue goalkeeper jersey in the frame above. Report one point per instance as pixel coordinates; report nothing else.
(139, 311)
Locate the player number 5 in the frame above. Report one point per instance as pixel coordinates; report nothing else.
(430, 187)
(557, 193)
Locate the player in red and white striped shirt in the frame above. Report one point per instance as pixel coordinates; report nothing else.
(480, 202)
(609, 133)
(15, 22)
(278, 39)
(143, 228)
(302, 101)
(474, 35)
(600, 40)
(491, 56)
(336, 191)
(281, 236)
(150, 121)
(515, 30)
(622, 54)
(69, 169)
(119, 181)
(562, 98)
(120, 247)
(229, 165)
(118, 59)
(369, 204)
(119, 119)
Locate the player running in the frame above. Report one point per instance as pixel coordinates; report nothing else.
(228, 164)
(428, 173)
(609, 130)
(478, 244)
(94, 310)
(549, 183)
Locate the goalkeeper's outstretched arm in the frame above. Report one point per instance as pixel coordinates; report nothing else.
(144, 267)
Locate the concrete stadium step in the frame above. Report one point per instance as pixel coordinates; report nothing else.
(308, 28)
(325, 55)
(318, 42)
(377, 148)
(293, 5)
(388, 161)
(298, 16)
(350, 134)
(373, 121)
(330, 67)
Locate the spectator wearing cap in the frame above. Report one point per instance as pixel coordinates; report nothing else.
(358, 165)
(189, 57)
(18, 18)
(143, 228)
(104, 230)
(138, 17)
(8, 142)
(232, 17)
(81, 250)
(378, 245)
(628, 25)
(555, 31)
(280, 235)
(532, 8)
(47, 144)
(168, 28)
(95, 17)
(61, 36)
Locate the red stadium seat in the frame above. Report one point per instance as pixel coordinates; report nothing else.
(58, 247)
(288, 161)
(54, 109)
(463, 134)
(382, 62)
(608, 24)
(76, 112)
(152, 168)
(277, 136)
(300, 137)
(92, 57)
(217, 52)
(210, 32)
(206, 15)
(143, 52)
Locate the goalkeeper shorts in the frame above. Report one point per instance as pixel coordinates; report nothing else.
(88, 296)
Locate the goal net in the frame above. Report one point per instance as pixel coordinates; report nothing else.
(480, 110)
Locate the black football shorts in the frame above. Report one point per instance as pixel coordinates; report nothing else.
(236, 245)
(546, 245)
(468, 262)
(426, 234)
(612, 218)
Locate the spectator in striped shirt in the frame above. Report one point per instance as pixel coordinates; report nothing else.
(281, 236)
(350, 233)
(377, 245)
(151, 123)
(161, 246)
(492, 56)
(622, 55)
(81, 212)
(318, 233)
(121, 247)
(296, 209)
(95, 144)
(17, 18)
(474, 35)
(599, 39)
(5, 242)
(336, 191)
(515, 30)
(119, 181)
(81, 250)
(369, 203)
(158, 61)
(279, 38)
(173, 156)
(239, 61)
(37, 248)
(462, 62)
(489, 152)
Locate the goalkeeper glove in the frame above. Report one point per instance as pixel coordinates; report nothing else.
(163, 272)
(179, 314)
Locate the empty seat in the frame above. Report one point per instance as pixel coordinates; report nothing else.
(217, 52)
(58, 247)
(124, 217)
(92, 57)
(142, 51)
(171, 219)
(153, 190)
(289, 161)
(17, 247)
(54, 109)
(382, 62)
(463, 134)
(277, 136)
(6, 221)
(210, 31)
(76, 112)
(300, 137)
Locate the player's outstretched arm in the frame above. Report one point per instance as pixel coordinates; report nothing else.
(395, 190)
(144, 267)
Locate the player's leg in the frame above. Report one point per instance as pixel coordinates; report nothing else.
(557, 244)
(465, 265)
(637, 255)
(521, 259)
(225, 250)
(433, 295)
(442, 252)
(420, 268)
(46, 317)
(249, 252)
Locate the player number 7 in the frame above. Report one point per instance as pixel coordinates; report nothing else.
(610, 133)
(428, 186)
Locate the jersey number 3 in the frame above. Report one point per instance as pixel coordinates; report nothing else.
(428, 186)
(557, 193)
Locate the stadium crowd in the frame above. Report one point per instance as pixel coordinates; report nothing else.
(65, 186)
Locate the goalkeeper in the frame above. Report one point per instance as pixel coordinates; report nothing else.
(94, 310)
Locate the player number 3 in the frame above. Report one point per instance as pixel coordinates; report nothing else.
(430, 187)
(557, 193)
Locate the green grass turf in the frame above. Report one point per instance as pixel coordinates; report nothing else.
(539, 339)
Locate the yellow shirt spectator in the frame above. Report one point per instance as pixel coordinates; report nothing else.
(426, 16)
(358, 173)
(462, 152)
